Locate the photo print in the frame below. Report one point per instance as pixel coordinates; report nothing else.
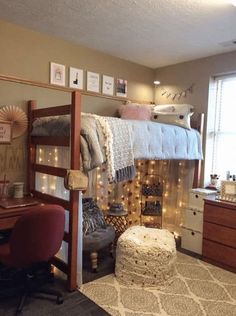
(121, 88)
(76, 78)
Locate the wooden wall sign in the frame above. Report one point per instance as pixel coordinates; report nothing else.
(5, 132)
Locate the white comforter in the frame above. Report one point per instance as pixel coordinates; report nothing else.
(153, 140)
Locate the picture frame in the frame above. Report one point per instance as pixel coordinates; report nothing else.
(93, 82)
(107, 85)
(5, 132)
(228, 191)
(76, 78)
(121, 88)
(57, 74)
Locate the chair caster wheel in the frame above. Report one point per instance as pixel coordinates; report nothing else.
(60, 300)
(95, 270)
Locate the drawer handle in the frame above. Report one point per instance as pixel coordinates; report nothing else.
(196, 196)
(194, 213)
(192, 233)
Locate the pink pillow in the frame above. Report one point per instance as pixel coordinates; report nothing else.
(132, 111)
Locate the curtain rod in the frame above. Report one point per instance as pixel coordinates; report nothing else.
(64, 89)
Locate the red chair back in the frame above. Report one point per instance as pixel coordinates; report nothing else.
(37, 235)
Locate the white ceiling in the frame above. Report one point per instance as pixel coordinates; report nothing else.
(153, 33)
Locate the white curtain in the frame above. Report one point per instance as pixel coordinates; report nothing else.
(177, 179)
(221, 135)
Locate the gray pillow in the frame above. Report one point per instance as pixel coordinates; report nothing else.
(93, 217)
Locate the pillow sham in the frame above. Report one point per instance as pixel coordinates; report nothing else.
(135, 111)
(179, 119)
(174, 108)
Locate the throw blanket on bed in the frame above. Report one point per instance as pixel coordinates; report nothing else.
(116, 133)
(122, 150)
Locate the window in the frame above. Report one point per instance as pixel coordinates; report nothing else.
(221, 130)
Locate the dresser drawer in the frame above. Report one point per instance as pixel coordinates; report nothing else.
(220, 215)
(219, 253)
(221, 234)
(193, 219)
(191, 240)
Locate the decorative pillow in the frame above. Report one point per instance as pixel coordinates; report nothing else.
(93, 217)
(182, 120)
(134, 111)
(176, 108)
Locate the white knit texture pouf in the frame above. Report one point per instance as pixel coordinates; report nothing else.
(145, 256)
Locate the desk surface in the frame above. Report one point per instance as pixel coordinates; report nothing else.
(9, 216)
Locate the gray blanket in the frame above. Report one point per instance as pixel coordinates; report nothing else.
(102, 140)
(92, 144)
(92, 140)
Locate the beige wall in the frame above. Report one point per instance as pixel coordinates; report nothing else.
(177, 78)
(27, 54)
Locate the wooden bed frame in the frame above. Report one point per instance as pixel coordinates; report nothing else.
(74, 109)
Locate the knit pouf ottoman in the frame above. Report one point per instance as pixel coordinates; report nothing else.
(145, 256)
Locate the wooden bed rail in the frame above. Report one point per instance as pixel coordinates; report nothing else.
(74, 109)
(198, 122)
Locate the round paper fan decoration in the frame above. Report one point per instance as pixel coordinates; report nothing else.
(17, 117)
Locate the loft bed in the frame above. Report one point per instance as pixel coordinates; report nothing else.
(72, 203)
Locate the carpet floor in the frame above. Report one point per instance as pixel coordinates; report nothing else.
(197, 289)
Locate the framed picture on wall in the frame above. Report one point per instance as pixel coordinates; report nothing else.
(5, 132)
(107, 85)
(93, 81)
(121, 88)
(76, 77)
(57, 74)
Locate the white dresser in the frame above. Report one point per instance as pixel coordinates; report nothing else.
(193, 223)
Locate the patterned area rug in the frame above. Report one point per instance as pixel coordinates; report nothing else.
(198, 289)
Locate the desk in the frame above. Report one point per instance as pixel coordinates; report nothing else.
(9, 216)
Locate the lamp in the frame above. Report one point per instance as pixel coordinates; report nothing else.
(156, 83)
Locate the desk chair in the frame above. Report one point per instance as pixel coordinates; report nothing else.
(34, 241)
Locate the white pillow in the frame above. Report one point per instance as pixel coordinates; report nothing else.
(176, 108)
(179, 119)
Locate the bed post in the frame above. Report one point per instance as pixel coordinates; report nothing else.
(198, 124)
(31, 157)
(74, 195)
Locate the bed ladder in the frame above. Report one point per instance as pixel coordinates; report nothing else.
(73, 141)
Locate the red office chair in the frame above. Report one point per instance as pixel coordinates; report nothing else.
(34, 241)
